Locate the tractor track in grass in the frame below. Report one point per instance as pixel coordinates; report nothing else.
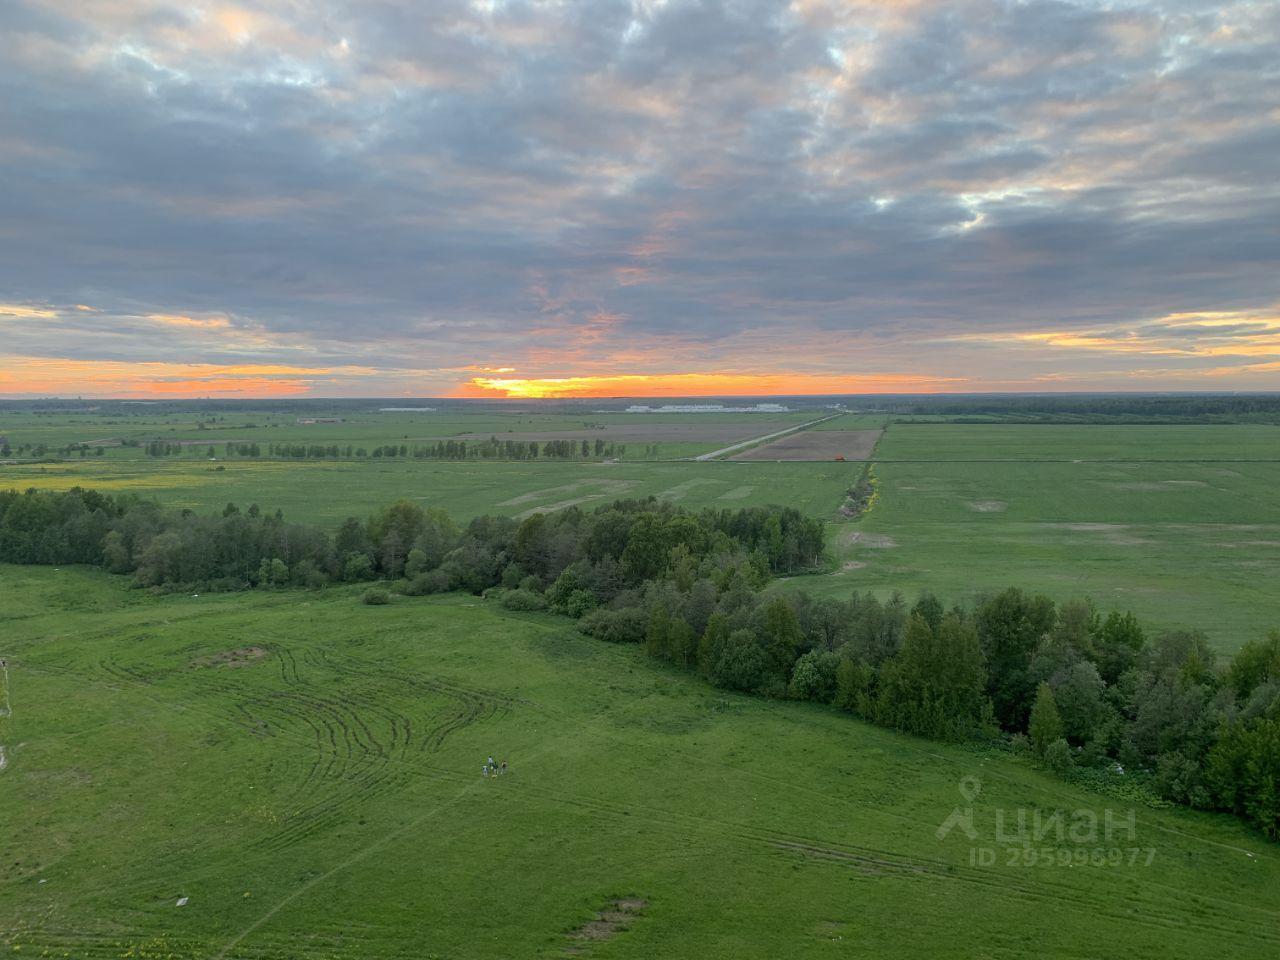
(393, 742)
(365, 746)
(1028, 885)
(360, 747)
(366, 851)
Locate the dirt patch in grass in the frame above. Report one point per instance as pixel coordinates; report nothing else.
(860, 538)
(681, 490)
(848, 566)
(610, 486)
(1153, 486)
(232, 658)
(610, 920)
(987, 506)
(560, 505)
(737, 493)
(1114, 533)
(816, 445)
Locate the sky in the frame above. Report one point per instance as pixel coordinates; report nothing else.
(637, 197)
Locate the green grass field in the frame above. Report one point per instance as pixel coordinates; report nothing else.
(1000, 441)
(1144, 518)
(326, 492)
(367, 427)
(321, 797)
(1179, 523)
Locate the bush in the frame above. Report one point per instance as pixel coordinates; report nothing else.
(433, 581)
(814, 676)
(1057, 757)
(375, 597)
(578, 604)
(627, 625)
(522, 600)
(742, 664)
(512, 574)
(854, 680)
(358, 567)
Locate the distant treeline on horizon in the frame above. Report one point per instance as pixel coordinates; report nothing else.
(1214, 407)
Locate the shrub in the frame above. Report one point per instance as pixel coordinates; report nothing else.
(854, 679)
(814, 676)
(375, 597)
(1057, 757)
(416, 563)
(522, 600)
(433, 581)
(742, 664)
(627, 625)
(358, 567)
(1045, 726)
(578, 604)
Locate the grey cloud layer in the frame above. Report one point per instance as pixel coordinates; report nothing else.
(423, 185)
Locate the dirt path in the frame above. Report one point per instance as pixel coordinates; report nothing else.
(770, 436)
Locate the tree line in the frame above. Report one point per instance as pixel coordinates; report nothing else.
(1090, 696)
(491, 449)
(1125, 408)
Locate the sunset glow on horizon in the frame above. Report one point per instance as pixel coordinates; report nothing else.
(693, 385)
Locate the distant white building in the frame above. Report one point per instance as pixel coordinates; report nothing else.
(707, 408)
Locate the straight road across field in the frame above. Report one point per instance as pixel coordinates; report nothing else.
(715, 454)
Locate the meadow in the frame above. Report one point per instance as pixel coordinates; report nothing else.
(1177, 522)
(305, 771)
(1180, 524)
(328, 491)
(645, 436)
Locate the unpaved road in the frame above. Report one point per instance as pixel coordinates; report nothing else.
(770, 436)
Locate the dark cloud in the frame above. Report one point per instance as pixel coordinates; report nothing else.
(427, 186)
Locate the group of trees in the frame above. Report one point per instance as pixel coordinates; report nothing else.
(41, 450)
(495, 449)
(626, 543)
(491, 449)
(1134, 408)
(1090, 696)
(1087, 694)
(37, 450)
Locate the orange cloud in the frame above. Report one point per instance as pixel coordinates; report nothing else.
(698, 385)
(34, 375)
(1216, 334)
(214, 322)
(24, 311)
